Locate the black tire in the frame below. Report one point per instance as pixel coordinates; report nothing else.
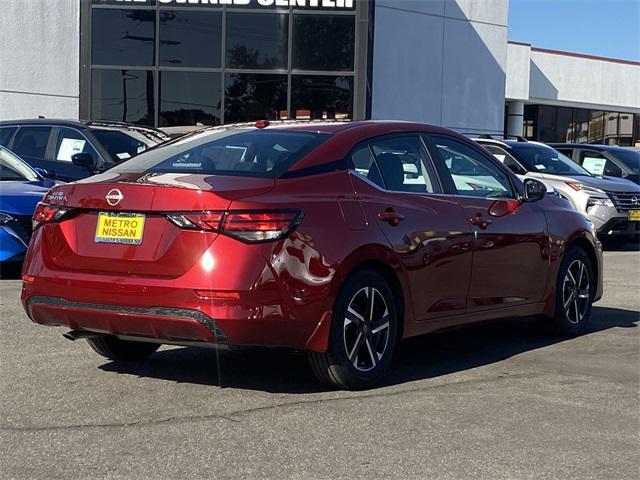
(115, 349)
(572, 289)
(372, 341)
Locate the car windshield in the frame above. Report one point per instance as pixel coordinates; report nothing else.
(14, 169)
(542, 159)
(253, 153)
(631, 158)
(122, 145)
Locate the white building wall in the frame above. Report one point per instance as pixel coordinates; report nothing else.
(562, 79)
(518, 71)
(39, 59)
(441, 62)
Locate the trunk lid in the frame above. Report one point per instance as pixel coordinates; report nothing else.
(164, 249)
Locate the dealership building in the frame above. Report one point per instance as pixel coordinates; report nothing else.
(167, 63)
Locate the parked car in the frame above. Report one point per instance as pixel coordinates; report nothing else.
(604, 160)
(68, 150)
(21, 188)
(612, 204)
(310, 236)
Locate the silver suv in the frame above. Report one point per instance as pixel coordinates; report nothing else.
(612, 204)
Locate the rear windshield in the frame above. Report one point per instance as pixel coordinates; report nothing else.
(121, 145)
(255, 153)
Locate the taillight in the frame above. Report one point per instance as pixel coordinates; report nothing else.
(249, 226)
(47, 213)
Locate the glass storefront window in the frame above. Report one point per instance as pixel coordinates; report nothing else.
(251, 97)
(581, 124)
(596, 127)
(530, 122)
(190, 39)
(173, 63)
(577, 125)
(189, 98)
(564, 125)
(321, 97)
(257, 40)
(546, 122)
(323, 42)
(123, 37)
(625, 129)
(122, 95)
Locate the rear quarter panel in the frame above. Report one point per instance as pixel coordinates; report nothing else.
(334, 237)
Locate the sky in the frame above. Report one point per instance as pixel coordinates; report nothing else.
(608, 28)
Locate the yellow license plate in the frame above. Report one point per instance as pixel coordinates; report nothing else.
(120, 228)
(634, 215)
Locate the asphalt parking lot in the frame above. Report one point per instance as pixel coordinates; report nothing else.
(496, 401)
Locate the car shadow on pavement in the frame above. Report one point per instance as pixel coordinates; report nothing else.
(428, 356)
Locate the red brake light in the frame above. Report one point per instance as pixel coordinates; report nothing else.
(206, 221)
(248, 226)
(47, 213)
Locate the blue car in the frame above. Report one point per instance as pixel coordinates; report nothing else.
(21, 188)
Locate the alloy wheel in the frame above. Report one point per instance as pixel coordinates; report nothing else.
(576, 291)
(366, 329)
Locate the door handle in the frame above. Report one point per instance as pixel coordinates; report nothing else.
(390, 216)
(480, 221)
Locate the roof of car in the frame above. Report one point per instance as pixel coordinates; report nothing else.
(326, 126)
(61, 122)
(588, 145)
(508, 142)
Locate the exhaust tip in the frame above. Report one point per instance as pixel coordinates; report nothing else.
(74, 335)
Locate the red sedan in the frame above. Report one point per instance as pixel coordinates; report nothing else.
(337, 239)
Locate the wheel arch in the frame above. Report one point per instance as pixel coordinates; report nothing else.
(381, 260)
(585, 245)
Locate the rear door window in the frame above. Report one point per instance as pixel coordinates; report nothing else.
(404, 166)
(31, 142)
(362, 161)
(5, 135)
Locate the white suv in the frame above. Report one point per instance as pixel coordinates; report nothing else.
(607, 201)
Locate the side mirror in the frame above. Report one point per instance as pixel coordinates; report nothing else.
(84, 160)
(534, 190)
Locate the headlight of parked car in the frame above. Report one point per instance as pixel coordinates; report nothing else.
(599, 202)
(5, 218)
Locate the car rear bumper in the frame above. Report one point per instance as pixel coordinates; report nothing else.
(176, 317)
(160, 323)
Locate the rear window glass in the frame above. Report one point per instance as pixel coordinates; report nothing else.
(5, 135)
(262, 153)
(120, 145)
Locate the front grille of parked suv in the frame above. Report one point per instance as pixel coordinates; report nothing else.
(624, 200)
